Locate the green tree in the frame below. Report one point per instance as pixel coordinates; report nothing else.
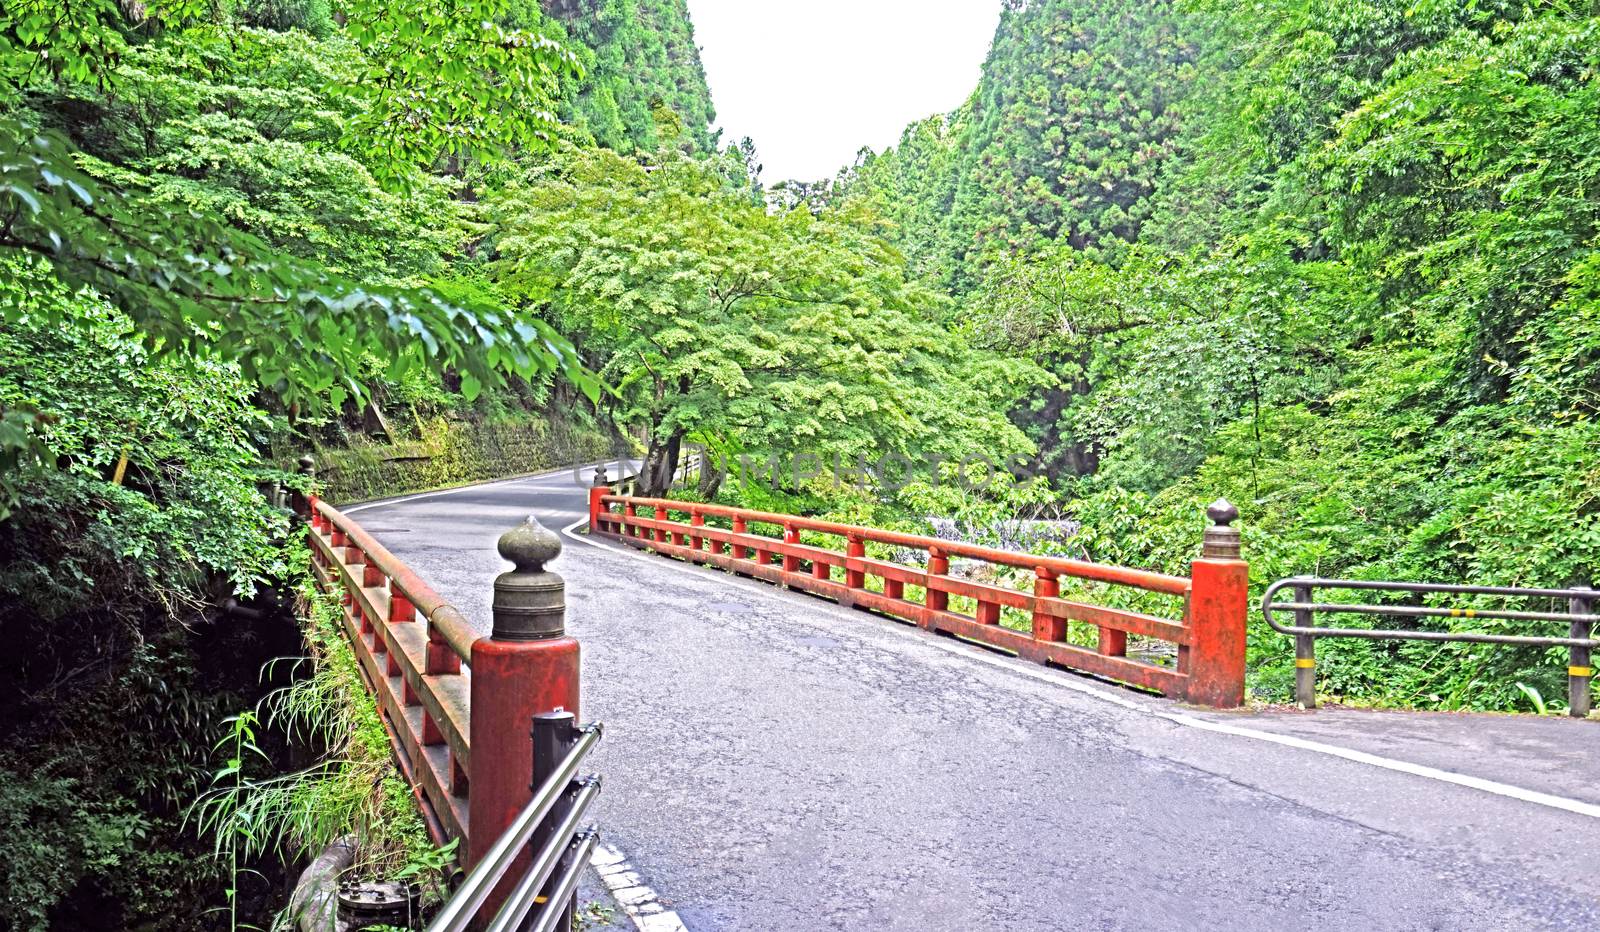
(721, 322)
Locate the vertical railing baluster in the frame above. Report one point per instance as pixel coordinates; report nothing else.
(935, 600)
(855, 549)
(791, 535)
(1047, 627)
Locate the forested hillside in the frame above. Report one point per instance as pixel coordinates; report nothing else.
(234, 234)
(637, 55)
(1334, 259)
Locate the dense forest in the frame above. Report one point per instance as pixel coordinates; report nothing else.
(1333, 259)
(1336, 260)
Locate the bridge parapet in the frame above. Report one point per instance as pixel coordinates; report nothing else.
(1210, 635)
(457, 705)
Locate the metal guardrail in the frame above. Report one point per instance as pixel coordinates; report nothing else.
(1579, 617)
(546, 831)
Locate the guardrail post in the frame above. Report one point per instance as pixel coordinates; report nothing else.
(554, 734)
(1579, 673)
(1305, 653)
(1219, 593)
(526, 667)
(597, 491)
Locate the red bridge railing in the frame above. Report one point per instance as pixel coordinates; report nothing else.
(1209, 635)
(457, 705)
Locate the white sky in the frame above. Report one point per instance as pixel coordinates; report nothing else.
(812, 81)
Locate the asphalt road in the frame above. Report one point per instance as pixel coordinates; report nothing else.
(774, 762)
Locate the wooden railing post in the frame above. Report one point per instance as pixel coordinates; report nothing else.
(696, 519)
(791, 535)
(527, 666)
(1219, 595)
(855, 548)
(598, 491)
(936, 600)
(1047, 627)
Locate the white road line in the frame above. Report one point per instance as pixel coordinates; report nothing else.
(636, 899)
(463, 488)
(1563, 803)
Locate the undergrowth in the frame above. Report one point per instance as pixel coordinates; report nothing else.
(354, 790)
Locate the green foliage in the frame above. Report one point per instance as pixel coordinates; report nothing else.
(128, 216)
(1072, 123)
(249, 811)
(639, 59)
(188, 503)
(448, 79)
(718, 321)
(1358, 297)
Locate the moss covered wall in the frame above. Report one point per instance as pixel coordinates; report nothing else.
(452, 451)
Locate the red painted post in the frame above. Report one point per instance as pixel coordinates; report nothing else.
(696, 519)
(526, 667)
(1112, 643)
(1219, 603)
(936, 600)
(938, 565)
(599, 490)
(739, 527)
(1047, 627)
(855, 549)
(660, 514)
(988, 613)
(791, 535)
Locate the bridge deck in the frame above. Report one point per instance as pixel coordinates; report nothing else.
(774, 762)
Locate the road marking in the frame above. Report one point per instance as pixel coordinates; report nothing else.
(1066, 681)
(473, 485)
(636, 899)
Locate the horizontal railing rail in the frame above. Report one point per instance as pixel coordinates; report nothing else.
(1578, 617)
(1209, 637)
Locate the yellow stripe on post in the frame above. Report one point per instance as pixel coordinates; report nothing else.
(1580, 671)
(1304, 663)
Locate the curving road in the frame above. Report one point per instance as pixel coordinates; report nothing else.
(774, 762)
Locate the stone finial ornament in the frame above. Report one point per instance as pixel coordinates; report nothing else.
(1221, 539)
(529, 600)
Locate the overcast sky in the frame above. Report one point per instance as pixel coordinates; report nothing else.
(812, 81)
